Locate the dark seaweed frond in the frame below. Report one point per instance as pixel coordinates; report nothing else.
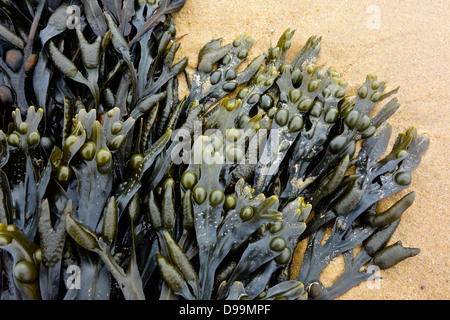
(114, 187)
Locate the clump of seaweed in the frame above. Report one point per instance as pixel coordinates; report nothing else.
(114, 187)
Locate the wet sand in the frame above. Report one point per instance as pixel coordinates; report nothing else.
(404, 43)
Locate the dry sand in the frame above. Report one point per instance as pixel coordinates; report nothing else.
(405, 43)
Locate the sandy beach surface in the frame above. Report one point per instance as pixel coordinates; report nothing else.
(404, 43)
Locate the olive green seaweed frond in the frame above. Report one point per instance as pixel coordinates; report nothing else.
(113, 186)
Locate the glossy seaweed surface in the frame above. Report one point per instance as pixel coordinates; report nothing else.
(114, 187)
